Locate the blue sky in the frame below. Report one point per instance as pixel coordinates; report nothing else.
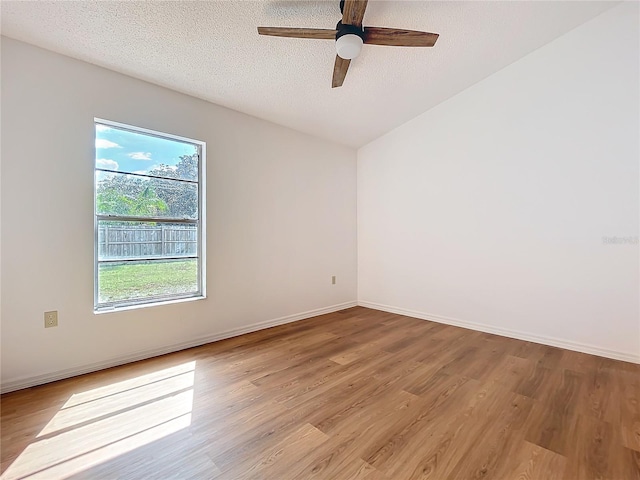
(127, 151)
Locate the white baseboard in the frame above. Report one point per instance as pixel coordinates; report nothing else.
(114, 362)
(554, 342)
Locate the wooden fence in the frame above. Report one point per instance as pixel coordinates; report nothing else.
(147, 241)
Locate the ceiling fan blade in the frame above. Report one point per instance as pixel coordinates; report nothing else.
(339, 71)
(353, 12)
(399, 38)
(316, 33)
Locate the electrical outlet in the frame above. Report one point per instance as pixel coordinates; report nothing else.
(333, 280)
(50, 319)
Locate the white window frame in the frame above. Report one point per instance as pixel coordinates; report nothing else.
(199, 222)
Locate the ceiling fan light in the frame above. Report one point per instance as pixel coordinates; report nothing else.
(348, 46)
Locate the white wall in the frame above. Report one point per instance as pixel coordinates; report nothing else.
(281, 218)
(490, 209)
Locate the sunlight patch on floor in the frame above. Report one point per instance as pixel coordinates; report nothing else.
(101, 424)
(132, 383)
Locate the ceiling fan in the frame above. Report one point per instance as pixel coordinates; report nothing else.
(349, 36)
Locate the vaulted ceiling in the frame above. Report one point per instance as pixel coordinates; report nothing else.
(211, 50)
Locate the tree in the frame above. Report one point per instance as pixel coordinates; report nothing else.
(186, 168)
(123, 194)
(148, 204)
(181, 197)
(145, 204)
(110, 201)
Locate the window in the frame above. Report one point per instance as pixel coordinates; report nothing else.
(149, 198)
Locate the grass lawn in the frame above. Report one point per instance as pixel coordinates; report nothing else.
(126, 281)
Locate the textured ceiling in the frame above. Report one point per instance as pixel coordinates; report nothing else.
(210, 49)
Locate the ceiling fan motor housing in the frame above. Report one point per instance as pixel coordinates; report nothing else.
(349, 40)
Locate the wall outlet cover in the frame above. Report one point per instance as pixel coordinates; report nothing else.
(50, 319)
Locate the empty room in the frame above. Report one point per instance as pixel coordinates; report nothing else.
(314, 239)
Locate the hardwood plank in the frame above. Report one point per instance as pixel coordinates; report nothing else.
(597, 398)
(510, 372)
(625, 464)
(350, 438)
(446, 395)
(553, 418)
(539, 382)
(532, 462)
(434, 450)
(274, 459)
(499, 435)
(628, 385)
(551, 357)
(592, 445)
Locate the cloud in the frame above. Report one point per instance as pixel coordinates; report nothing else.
(140, 155)
(102, 128)
(104, 143)
(107, 164)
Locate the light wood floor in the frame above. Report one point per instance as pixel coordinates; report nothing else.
(358, 394)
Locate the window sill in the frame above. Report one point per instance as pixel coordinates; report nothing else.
(104, 310)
